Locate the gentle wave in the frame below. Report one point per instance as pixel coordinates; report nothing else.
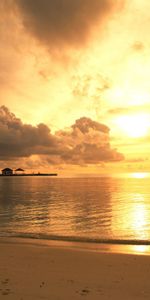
(78, 239)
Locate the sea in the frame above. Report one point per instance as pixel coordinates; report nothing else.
(111, 209)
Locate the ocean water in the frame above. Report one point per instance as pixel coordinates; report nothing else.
(112, 209)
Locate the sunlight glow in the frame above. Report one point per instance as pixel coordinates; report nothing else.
(134, 126)
(141, 249)
(136, 97)
(139, 217)
(139, 175)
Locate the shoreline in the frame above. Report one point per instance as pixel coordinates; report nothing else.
(40, 269)
(29, 174)
(100, 247)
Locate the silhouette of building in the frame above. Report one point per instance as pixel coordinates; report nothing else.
(7, 171)
(19, 171)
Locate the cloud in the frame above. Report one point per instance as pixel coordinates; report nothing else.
(22, 140)
(84, 125)
(88, 86)
(63, 23)
(89, 91)
(118, 110)
(85, 142)
(128, 110)
(136, 160)
(138, 46)
(9, 56)
(88, 143)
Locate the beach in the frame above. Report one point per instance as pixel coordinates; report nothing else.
(32, 270)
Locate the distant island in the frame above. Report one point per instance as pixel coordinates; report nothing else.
(21, 172)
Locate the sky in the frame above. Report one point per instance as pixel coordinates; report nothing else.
(74, 85)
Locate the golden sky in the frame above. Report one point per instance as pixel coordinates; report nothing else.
(81, 70)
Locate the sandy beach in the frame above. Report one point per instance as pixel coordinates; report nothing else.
(31, 270)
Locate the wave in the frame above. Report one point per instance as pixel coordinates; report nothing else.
(77, 239)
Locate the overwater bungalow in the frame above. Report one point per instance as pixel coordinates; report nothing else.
(7, 172)
(19, 171)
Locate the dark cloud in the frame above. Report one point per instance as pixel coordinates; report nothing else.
(22, 140)
(60, 23)
(85, 142)
(87, 153)
(85, 124)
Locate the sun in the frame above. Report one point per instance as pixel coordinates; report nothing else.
(134, 126)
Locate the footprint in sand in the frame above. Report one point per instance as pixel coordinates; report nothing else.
(5, 281)
(83, 292)
(41, 285)
(5, 291)
(70, 281)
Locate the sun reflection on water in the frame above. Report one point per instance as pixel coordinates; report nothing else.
(141, 249)
(139, 175)
(138, 217)
(131, 212)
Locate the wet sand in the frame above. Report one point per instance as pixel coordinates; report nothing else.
(31, 270)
